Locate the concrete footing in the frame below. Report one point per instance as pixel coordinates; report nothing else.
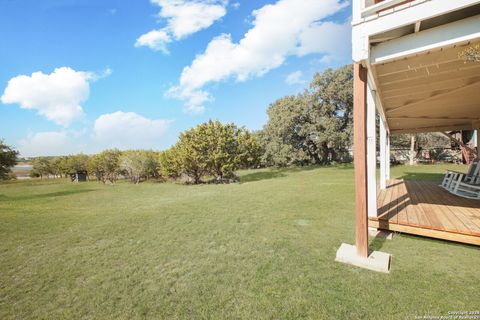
(376, 260)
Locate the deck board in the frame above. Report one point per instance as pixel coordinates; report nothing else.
(424, 208)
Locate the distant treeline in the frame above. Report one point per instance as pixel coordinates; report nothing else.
(211, 150)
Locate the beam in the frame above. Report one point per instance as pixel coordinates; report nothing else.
(432, 118)
(423, 90)
(360, 158)
(469, 72)
(377, 92)
(433, 129)
(430, 59)
(432, 233)
(447, 35)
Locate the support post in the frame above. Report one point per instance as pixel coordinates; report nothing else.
(383, 155)
(387, 171)
(412, 150)
(477, 138)
(371, 152)
(360, 158)
(358, 255)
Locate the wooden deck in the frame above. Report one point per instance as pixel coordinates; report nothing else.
(423, 208)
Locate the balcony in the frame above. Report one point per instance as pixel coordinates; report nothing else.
(374, 7)
(378, 21)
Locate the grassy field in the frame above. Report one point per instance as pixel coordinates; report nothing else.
(260, 249)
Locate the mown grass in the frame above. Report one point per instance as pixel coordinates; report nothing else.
(260, 249)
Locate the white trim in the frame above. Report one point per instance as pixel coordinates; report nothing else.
(409, 14)
(477, 140)
(443, 36)
(371, 152)
(357, 6)
(378, 101)
(383, 156)
(418, 24)
(387, 158)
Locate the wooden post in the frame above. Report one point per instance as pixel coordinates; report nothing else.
(383, 155)
(360, 158)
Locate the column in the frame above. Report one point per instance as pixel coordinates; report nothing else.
(477, 138)
(371, 152)
(360, 158)
(387, 171)
(383, 155)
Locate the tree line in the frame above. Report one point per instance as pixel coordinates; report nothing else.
(211, 151)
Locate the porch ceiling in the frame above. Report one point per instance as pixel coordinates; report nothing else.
(434, 91)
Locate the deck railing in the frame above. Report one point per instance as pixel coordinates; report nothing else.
(375, 6)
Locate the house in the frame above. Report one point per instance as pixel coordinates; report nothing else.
(408, 67)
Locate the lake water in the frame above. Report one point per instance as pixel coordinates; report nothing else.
(22, 167)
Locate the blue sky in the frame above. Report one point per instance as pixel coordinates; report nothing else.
(81, 76)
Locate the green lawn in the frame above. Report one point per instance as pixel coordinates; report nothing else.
(260, 249)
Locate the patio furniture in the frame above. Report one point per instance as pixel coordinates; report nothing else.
(465, 189)
(471, 175)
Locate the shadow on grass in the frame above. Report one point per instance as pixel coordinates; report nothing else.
(444, 243)
(27, 197)
(422, 176)
(342, 166)
(377, 243)
(273, 173)
(262, 175)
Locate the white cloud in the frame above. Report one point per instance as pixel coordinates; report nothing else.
(155, 39)
(326, 59)
(294, 78)
(56, 96)
(123, 130)
(326, 38)
(236, 5)
(264, 47)
(183, 18)
(52, 143)
(194, 103)
(128, 130)
(104, 74)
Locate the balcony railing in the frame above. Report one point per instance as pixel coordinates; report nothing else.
(376, 6)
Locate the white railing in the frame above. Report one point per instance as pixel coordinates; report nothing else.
(371, 9)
